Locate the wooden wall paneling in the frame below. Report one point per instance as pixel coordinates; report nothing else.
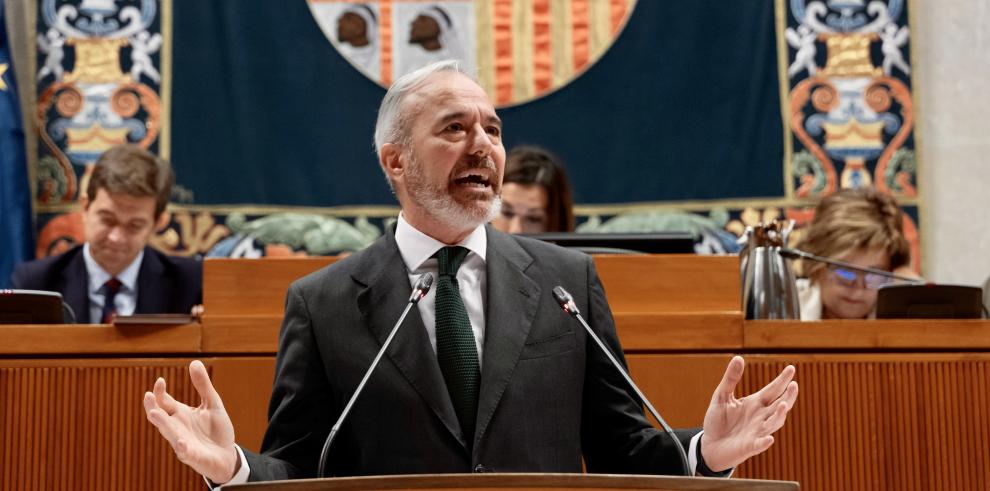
(67, 339)
(9, 390)
(878, 422)
(684, 331)
(633, 283)
(677, 302)
(241, 333)
(638, 332)
(253, 286)
(245, 385)
(982, 404)
(886, 334)
(938, 439)
(81, 425)
(679, 386)
(670, 282)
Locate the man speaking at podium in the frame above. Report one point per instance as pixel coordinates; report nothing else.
(487, 374)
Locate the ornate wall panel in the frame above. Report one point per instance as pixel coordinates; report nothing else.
(847, 101)
(100, 83)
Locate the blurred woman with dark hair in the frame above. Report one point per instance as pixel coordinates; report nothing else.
(536, 196)
(862, 227)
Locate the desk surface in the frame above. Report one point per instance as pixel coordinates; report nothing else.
(639, 333)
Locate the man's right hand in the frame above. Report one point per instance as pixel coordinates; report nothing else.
(202, 437)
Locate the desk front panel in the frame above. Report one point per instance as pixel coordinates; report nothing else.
(881, 418)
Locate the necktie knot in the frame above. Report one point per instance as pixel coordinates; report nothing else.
(112, 286)
(449, 260)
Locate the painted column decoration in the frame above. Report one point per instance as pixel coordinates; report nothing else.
(849, 107)
(98, 86)
(847, 103)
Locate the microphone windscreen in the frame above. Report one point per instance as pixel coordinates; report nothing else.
(565, 300)
(423, 284)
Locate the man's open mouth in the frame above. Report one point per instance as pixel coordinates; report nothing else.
(474, 179)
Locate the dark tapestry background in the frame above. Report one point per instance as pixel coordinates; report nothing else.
(685, 105)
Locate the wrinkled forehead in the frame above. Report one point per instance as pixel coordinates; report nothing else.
(447, 91)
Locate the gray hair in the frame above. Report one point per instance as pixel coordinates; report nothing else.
(391, 124)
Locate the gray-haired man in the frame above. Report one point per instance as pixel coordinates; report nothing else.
(532, 392)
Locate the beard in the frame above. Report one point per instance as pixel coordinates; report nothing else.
(438, 203)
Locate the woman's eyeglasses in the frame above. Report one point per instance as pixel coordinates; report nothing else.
(851, 277)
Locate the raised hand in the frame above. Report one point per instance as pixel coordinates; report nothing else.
(737, 429)
(203, 436)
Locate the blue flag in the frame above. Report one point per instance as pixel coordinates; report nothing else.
(15, 195)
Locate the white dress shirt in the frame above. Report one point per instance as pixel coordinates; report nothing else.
(810, 298)
(126, 299)
(417, 250)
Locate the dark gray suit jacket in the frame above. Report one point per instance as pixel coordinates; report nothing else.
(166, 284)
(548, 396)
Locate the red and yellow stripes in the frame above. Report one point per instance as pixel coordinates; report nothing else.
(385, 35)
(542, 42)
(502, 34)
(523, 48)
(535, 46)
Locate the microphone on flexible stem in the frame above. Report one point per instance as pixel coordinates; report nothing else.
(423, 284)
(566, 302)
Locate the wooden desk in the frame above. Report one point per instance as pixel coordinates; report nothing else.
(883, 404)
(696, 297)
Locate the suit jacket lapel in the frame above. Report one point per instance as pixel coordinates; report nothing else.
(75, 281)
(150, 285)
(385, 295)
(511, 307)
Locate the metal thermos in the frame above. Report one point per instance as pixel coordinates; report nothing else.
(769, 287)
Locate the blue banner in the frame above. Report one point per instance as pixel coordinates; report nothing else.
(15, 195)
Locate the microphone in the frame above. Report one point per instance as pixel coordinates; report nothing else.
(422, 286)
(566, 302)
(799, 254)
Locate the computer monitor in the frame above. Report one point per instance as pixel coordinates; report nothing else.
(929, 301)
(624, 243)
(31, 307)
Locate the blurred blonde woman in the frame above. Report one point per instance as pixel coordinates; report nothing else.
(858, 226)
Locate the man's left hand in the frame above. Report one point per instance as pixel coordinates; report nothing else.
(737, 429)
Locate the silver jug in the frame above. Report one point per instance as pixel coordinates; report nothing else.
(769, 287)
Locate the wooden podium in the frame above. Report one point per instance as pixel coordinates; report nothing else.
(520, 482)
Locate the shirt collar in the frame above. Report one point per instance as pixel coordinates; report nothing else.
(98, 276)
(416, 247)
